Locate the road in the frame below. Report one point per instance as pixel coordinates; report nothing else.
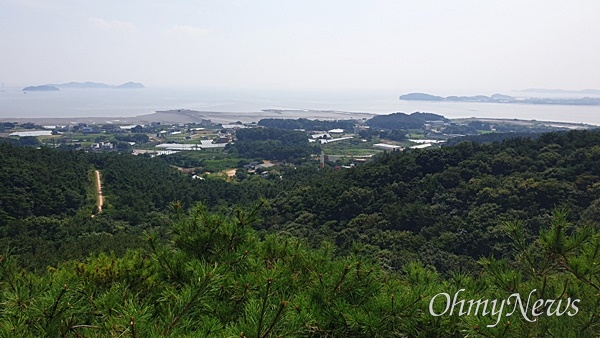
(99, 188)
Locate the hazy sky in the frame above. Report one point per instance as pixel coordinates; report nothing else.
(405, 45)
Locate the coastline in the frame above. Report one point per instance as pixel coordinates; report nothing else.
(195, 116)
(177, 116)
(102, 106)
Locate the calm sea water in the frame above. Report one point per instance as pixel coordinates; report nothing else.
(125, 103)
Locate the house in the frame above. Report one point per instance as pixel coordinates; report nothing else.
(324, 136)
(251, 165)
(102, 146)
(234, 126)
(127, 128)
(264, 165)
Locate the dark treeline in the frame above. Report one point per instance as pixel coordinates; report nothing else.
(40, 182)
(271, 143)
(137, 138)
(307, 124)
(388, 134)
(491, 137)
(25, 141)
(404, 121)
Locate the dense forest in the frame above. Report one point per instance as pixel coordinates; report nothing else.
(271, 143)
(314, 252)
(443, 206)
(404, 121)
(306, 124)
(34, 182)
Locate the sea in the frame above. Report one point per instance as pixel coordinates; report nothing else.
(113, 103)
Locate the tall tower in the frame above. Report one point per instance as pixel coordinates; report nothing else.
(322, 159)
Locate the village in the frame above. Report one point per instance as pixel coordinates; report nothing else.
(205, 148)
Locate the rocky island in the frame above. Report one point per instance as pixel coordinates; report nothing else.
(40, 88)
(84, 85)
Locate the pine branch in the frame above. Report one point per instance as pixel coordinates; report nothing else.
(339, 284)
(189, 303)
(276, 319)
(578, 276)
(50, 317)
(264, 307)
(7, 273)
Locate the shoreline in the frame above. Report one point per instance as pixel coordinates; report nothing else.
(195, 116)
(185, 116)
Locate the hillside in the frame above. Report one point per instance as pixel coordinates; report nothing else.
(310, 252)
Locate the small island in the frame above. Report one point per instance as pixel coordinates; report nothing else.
(84, 85)
(44, 88)
(131, 85)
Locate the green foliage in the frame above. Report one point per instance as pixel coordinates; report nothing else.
(403, 121)
(561, 264)
(41, 182)
(271, 143)
(340, 253)
(306, 124)
(493, 137)
(452, 201)
(211, 161)
(137, 138)
(213, 277)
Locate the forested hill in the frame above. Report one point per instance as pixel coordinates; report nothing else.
(306, 124)
(445, 207)
(41, 182)
(402, 121)
(47, 198)
(313, 252)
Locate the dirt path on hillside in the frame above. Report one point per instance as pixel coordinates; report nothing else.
(230, 172)
(99, 188)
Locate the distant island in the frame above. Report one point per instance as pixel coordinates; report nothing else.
(43, 88)
(561, 91)
(84, 85)
(500, 98)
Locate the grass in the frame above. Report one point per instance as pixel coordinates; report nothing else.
(211, 160)
(353, 147)
(355, 152)
(416, 135)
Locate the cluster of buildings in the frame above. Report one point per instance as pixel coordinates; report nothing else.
(323, 137)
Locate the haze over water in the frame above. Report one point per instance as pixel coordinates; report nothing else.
(133, 102)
